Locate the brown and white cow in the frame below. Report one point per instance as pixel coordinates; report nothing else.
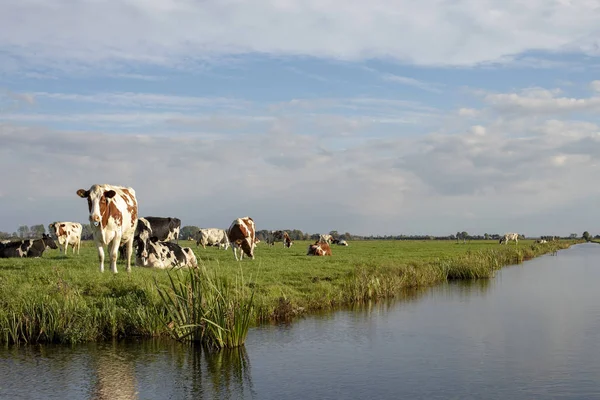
(162, 254)
(114, 218)
(67, 233)
(211, 237)
(279, 236)
(242, 234)
(319, 248)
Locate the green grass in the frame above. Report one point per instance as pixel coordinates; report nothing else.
(67, 300)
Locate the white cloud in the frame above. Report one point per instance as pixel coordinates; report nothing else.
(468, 112)
(66, 34)
(404, 80)
(595, 85)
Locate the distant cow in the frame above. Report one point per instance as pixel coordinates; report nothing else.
(509, 236)
(31, 248)
(319, 248)
(164, 255)
(165, 228)
(279, 236)
(241, 234)
(212, 236)
(326, 238)
(67, 233)
(114, 218)
(541, 241)
(342, 243)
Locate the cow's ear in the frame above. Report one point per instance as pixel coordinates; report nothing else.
(83, 193)
(109, 194)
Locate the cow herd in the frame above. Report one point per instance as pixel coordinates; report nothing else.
(116, 227)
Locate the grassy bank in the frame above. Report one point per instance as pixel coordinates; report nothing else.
(66, 300)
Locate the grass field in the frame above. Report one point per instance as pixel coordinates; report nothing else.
(66, 299)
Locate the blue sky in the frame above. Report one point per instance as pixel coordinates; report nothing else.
(384, 117)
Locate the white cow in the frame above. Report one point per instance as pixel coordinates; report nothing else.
(325, 238)
(67, 233)
(510, 236)
(114, 218)
(211, 237)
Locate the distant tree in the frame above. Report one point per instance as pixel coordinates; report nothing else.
(586, 236)
(486, 236)
(464, 235)
(335, 234)
(573, 236)
(187, 231)
(36, 231)
(23, 231)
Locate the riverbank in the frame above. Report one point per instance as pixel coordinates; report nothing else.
(66, 300)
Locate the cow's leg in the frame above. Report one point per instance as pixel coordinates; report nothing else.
(128, 253)
(113, 251)
(100, 256)
(66, 247)
(234, 248)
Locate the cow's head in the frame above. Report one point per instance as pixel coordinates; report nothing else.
(98, 204)
(49, 242)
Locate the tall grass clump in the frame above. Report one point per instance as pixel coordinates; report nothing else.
(207, 309)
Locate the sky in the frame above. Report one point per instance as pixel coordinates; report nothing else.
(380, 117)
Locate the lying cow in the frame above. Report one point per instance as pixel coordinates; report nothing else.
(342, 243)
(319, 248)
(158, 254)
(541, 241)
(113, 217)
(212, 237)
(242, 235)
(67, 233)
(509, 236)
(165, 228)
(31, 248)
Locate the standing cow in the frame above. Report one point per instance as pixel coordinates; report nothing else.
(67, 233)
(510, 236)
(241, 235)
(277, 236)
(165, 228)
(211, 237)
(114, 218)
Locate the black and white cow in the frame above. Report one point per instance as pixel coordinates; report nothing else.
(27, 247)
(143, 231)
(163, 255)
(165, 228)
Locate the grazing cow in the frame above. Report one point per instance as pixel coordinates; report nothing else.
(114, 219)
(320, 248)
(212, 236)
(31, 248)
(165, 255)
(277, 236)
(165, 228)
(509, 236)
(241, 234)
(67, 233)
(325, 238)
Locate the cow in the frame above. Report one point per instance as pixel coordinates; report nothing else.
(165, 228)
(509, 236)
(163, 255)
(67, 233)
(325, 238)
(241, 234)
(541, 241)
(143, 232)
(319, 248)
(342, 243)
(212, 236)
(277, 236)
(114, 219)
(32, 248)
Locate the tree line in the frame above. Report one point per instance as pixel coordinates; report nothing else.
(36, 231)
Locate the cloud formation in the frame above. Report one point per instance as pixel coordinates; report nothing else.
(78, 34)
